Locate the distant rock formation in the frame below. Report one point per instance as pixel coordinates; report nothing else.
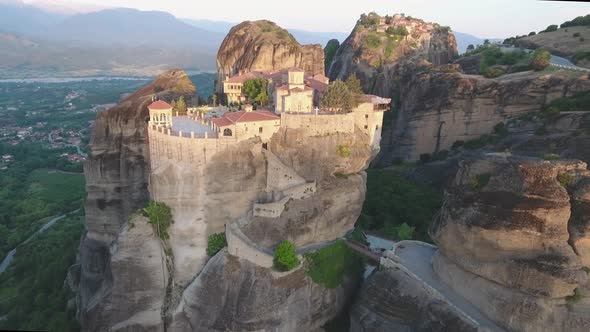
(264, 46)
(441, 106)
(380, 48)
(513, 238)
(117, 175)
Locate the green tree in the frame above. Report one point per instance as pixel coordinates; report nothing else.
(540, 59)
(354, 86)
(470, 47)
(401, 30)
(285, 257)
(551, 28)
(160, 217)
(215, 242)
(532, 33)
(338, 98)
(214, 99)
(180, 106)
(254, 87)
(262, 98)
(372, 41)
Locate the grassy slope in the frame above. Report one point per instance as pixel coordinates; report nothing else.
(563, 41)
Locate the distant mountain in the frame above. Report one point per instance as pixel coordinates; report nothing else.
(65, 7)
(302, 36)
(18, 17)
(27, 57)
(465, 39)
(131, 27)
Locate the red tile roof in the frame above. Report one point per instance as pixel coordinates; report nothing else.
(230, 118)
(159, 105)
(244, 77)
(317, 85)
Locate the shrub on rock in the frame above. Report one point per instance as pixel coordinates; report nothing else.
(160, 217)
(285, 258)
(215, 242)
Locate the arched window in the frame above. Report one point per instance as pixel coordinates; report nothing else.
(226, 132)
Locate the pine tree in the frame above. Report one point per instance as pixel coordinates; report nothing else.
(180, 106)
(338, 98)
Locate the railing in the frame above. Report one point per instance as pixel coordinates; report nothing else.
(192, 134)
(575, 68)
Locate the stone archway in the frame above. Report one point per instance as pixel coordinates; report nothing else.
(227, 132)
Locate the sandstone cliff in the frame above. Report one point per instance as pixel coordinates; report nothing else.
(212, 188)
(381, 49)
(442, 105)
(117, 175)
(263, 45)
(233, 294)
(512, 240)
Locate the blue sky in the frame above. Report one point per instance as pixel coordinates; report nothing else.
(484, 18)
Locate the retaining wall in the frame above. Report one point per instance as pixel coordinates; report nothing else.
(239, 245)
(192, 151)
(319, 125)
(270, 210)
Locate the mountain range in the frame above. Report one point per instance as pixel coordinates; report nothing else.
(50, 38)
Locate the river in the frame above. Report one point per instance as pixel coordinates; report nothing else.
(10, 256)
(71, 79)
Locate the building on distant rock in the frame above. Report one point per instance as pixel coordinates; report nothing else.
(291, 90)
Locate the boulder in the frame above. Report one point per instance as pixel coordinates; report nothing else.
(264, 46)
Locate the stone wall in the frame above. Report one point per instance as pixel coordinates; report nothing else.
(247, 130)
(370, 122)
(270, 210)
(183, 150)
(302, 191)
(319, 125)
(280, 176)
(240, 246)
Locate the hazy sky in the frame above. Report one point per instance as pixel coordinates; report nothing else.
(484, 18)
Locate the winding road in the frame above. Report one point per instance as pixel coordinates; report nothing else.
(10, 256)
(556, 61)
(417, 258)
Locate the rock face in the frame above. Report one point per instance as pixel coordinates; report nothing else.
(378, 52)
(232, 294)
(264, 46)
(116, 183)
(390, 300)
(232, 289)
(214, 186)
(138, 284)
(442, 106)
(513, 240)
